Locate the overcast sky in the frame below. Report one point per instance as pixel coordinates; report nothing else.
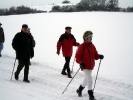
(9, 3)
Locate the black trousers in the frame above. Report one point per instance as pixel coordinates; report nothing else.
(21, 64)
(66, 65)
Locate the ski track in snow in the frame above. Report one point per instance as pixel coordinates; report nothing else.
(48, 82)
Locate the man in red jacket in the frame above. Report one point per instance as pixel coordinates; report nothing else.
(66, 41)
(86, 56)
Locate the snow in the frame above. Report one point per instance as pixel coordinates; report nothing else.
(112, 38)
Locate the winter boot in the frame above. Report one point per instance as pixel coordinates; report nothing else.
(69, 75)
(0, 55)
(63, 72)
(91, 96)
(26, 80)
(79, 91)
(16, 76)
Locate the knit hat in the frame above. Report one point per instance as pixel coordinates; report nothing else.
(68, 27)
(87, 35)
(24, 26)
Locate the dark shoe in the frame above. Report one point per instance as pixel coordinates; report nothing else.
(79, 91)
(69, 75)
(0, 55)
(16, 76)
(92, 98)
(90, 92)
(63, 72)
(27, 81)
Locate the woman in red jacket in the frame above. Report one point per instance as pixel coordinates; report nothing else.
(86, 56)
(66, 42)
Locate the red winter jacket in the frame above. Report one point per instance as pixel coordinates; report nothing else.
(66, 41)
(87, 54)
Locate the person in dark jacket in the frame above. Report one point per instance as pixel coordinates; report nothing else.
(66, 41)
(22, 44)
(33, 43)
(86, 56)
(2, 39)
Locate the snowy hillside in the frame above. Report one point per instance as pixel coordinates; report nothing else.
(112, 37)
(47, 7)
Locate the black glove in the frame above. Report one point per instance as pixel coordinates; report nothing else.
(101, 56)
(82, 65)
(31, 57)
(77, 44)
(58, 52)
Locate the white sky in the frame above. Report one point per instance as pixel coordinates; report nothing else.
(9, 3)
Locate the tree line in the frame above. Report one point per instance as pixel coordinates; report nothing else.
(83, 5)
(19, 10)
(92, 5)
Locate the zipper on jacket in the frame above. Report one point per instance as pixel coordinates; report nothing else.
(90, 56)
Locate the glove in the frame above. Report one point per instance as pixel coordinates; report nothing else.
(58, 52)
(31, 57)
(77, 44)
(101, 56)
(82, 65)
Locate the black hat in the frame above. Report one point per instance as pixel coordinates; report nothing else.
(68, 27)
(24, 26)
(0, 24)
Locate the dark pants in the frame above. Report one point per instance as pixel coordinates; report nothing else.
(66, 65)
(21, 64)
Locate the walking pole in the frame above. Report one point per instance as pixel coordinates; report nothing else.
(73, 62)
(71, 81)
(13, 69)
(73, 65)
(97, 74)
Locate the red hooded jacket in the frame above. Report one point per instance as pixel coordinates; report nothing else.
(87, 54)
(66, 41)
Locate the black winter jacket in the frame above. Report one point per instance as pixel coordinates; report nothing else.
(22, 44)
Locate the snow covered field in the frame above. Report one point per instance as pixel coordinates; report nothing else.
(112, 37)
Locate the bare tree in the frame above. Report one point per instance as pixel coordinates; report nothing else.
(65, 2)
(112, 4)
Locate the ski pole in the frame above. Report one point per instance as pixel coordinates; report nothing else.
(71, 81)
(73, 65)
(13, 69)
(97, 75)
(73, 62)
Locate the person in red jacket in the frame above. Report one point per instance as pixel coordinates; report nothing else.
(66, 41)
(86, 56)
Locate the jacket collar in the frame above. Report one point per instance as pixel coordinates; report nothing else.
(87, 44)
(67, 34)
(23, 32)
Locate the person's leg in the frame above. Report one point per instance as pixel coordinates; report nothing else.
(64, 69)
(29, 62)
(84, 83)
(89, 82)
(67, 66)
(82, 86)
(67, 63)
(88, 78)
(19, 68)
(1, 48)
(26, 70)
